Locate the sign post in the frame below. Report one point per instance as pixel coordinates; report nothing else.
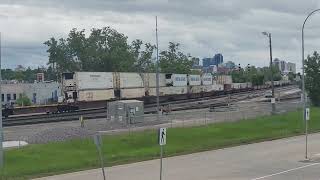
(307, 118)
(307, 114)
(98, 143)
(162, 141)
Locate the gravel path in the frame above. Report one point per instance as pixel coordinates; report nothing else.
(61, 131)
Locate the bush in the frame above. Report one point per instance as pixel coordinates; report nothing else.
(23, 101)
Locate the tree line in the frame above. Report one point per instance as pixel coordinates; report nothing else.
(28, 75)
(257, 76)
(108, 50)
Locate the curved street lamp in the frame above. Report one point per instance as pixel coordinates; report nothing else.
(303, 84)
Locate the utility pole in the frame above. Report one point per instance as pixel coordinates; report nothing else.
(271, 70)
(157, 75)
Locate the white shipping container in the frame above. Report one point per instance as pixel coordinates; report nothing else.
(179, 80)
(69, 82)
(130, 80)
(208, 88)
(224, 79)
(168, 91)
(94, 80)
(235, 85)
(132, 93)
(245, 85)
(218, 87)
(194, 80)
(206, 79)
(151, 81)
(95, 95)
(196, 89)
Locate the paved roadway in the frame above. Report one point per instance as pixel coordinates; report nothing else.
(272, 160)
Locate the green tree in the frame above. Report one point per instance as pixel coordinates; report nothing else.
(291, 76)
(23, 101)
(102, 50)
(143, 59)
(29, 75)
(174, 61)
(8, 74)
(19, 76)
(312, 80)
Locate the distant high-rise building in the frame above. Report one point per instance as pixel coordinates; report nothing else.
(229, 65)
(195, 62)
(276, 62)
(216, 60)
(291, 67)
(284, 67)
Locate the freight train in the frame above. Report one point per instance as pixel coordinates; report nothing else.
(83, 88)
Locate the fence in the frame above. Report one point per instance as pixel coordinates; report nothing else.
(231, 113)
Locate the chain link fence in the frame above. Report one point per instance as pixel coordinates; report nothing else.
(200, 117)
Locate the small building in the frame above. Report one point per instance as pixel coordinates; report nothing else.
(11, 92)
(38, 93)
(42, 92)
(125, 111)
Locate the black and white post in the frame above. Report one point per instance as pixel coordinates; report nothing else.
(162, 136)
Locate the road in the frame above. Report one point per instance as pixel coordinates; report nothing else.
(271, 160)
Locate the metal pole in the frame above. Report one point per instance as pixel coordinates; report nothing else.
(271, 70)
(161, 155)
(1, 130)
(303, 84)
(157, 67)
(98, 143)
(303, 95)
(102, 163)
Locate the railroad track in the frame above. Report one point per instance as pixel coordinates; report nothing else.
(220, 96)
(47, 118)
(201, 103)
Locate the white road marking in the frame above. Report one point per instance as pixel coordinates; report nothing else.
(283, 172)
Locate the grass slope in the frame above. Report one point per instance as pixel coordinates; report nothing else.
(55, 158)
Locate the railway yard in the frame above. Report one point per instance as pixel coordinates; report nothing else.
(43, 128)
(222, 93)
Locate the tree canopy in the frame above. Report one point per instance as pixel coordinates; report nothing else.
(175, 61)
(106, 49)
(312, 79)
(254, 75)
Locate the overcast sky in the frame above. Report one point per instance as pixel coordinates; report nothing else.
(203, 27)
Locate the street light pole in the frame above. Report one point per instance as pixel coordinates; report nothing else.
(157, 75)
(271, 69)
(303, 84)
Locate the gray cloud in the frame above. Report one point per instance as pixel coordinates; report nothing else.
(205, 27)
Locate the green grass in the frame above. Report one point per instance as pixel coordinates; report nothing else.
(56, 158)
